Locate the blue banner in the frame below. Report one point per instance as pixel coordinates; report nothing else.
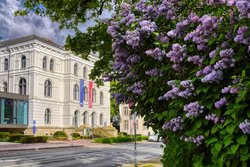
(81, 92)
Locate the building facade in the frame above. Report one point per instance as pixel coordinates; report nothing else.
(128, 122)
(60, 93)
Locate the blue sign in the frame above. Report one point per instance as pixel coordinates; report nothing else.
(34, 129)
(34, 122)
(81, 92)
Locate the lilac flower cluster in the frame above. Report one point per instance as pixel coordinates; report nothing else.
(154, 72)
(214, 118)
(125, 9)
(113, 29)
(197, 60)
(226, 61)
(231, 89)
(180, 26)
(174, 124)
(193, 109)
(167, 8)
(119, 98)
(147, 27)
(132, 38)
(245, 127)
(177, 92)
(157, 53)
(241, 37)
(196, 140)
(213, 76)
(132, 59)
(243, 7)
(129, 19)
(204, 32)
(163, 38)
(212, 54)
(136, 88)
(176, 55)
(222, 102)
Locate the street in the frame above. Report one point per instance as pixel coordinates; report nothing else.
(115, 155)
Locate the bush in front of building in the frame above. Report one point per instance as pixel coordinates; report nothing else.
(76, 135)
(122, 134)
(33, 139)
(60, 135)
(4, 136)
(15, 137)
(119, 139)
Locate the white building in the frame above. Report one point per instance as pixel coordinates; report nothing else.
(50, 76)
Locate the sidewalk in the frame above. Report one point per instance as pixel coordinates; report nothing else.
(5, 146)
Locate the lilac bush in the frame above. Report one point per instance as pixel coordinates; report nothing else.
(185, 64)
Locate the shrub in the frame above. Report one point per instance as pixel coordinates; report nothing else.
(144, 137)
(15, 137)
(27, 139)
(4, 136)
(122, 134)
(60, 135)
(75, 135)
(41, 139)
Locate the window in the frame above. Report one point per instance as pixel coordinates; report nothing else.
(51, 65)
(85, 72)
(93, 119)
(23, 62)
(125, 111)
(93, 95)
(76, 92)
(75, 69)
(85, 118)
(6, 64)
(48, 88)
(22, 86)
(125, 125)
(101, 98)
(101, 119)
(47, 116)
(5, 87)
(45, 63)
(76, 117)
(86, 94)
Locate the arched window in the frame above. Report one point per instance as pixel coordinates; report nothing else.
(47, 116)
(44, 62)
(75, 69)
(5, 87)
(76, 118)
(76, 92)
(93, 95)
(85, 118)
(6, 64)
(23, 62)
(101, 98)
(51, 65)
(47, 88)
(86, 93)
(101, 119)
(93, 119)
(22, 86)
(85, 72)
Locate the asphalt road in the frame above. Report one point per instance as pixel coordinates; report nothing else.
(116, 155)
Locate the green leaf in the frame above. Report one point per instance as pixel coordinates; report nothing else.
(243, 73)
(228, 140)
(244, 157)
(244, 150)
(210, 141)
(242, 139)
(214, 129)
(156, 33)
(234, 148)
(230, 128)
(218, 146)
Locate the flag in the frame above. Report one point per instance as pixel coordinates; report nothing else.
(81, 92)
(90, 94)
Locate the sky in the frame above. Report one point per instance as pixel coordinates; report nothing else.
(18, 26)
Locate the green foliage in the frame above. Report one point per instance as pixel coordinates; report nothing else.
(119, 139)
(60, 135)
(15, 137)
(75, 135)
(33, 139)
(4, 136)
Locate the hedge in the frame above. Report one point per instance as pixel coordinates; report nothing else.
(119, 139)
(15, 137)
(33, 139)
(60, 135)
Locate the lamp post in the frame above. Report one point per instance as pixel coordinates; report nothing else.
(135, 151)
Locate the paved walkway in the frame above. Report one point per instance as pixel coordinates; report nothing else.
(6, 146)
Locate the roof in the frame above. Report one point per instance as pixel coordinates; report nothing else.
(28, 38)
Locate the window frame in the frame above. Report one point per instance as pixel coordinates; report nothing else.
(22, 86)
(48, 88)
(47, 116)
(76, 92)
(45, 63)
(23, 62)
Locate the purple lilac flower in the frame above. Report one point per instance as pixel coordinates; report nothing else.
(154, 72)
(132, 59)
(136, 88)
(129, 19)
(231, 89)
(243, 7)
(212, 54)
(220, 103)
(213, 76)
(132, 38)
(231, 2)
(193, 109)
(204, 32)
(245, 127)
(125, 9)
(147, 27)
(241, 36)
(156, 53)
(177, 54)
(214, 118)
(197, 140)
(174, 124)
(197, 60)
(119, 98)
(167, 8)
